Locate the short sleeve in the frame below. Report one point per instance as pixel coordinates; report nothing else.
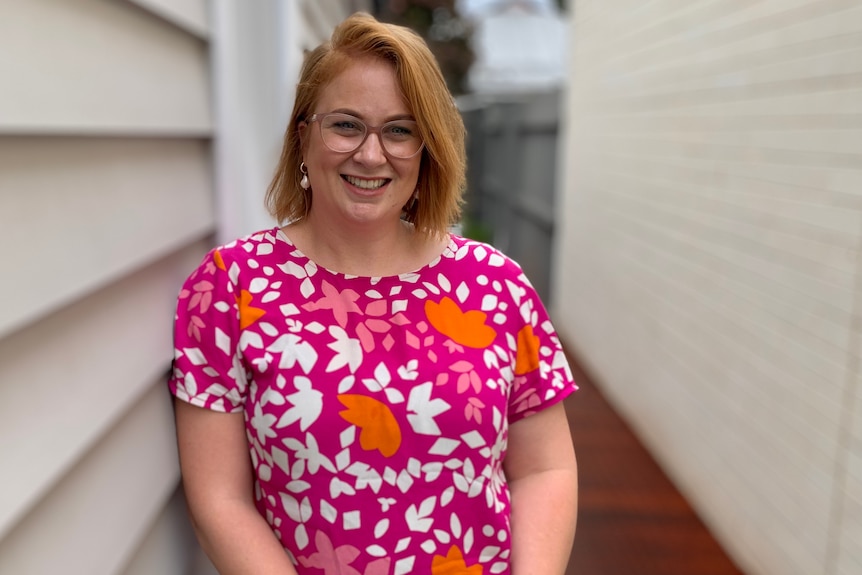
(542, 375)
(207, 366)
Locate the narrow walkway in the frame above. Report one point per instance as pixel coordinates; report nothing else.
(632, 520)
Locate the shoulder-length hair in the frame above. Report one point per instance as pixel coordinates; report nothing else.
(442, 172)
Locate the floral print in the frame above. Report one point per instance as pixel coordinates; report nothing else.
(377, 409)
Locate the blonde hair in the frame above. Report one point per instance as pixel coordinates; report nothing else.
(442, 172)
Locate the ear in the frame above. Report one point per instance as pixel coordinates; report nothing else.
(301, 127)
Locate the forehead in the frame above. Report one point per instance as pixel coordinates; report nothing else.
(367, 86)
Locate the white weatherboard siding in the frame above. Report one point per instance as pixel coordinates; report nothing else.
(106, 203)
(133, 135)
(709, 261)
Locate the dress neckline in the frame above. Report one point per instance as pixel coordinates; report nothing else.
(451, 245)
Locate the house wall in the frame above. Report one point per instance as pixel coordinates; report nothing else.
(708, 263)
(126, 151)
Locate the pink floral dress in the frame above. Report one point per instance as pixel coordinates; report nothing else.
(376, 409)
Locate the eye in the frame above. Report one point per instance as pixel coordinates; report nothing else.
(401, 130)
(344, 125)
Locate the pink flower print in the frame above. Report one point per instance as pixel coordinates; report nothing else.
(364, 330)
(341, 303)
(332, 560)
(202, 296)
(195, 325)
(468, 378)
(473, 409)
(378, 567)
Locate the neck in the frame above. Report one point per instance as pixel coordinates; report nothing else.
(373, 250)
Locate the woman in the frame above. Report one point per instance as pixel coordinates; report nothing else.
(379, 396)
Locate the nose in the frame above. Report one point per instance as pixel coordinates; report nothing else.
(370, 152)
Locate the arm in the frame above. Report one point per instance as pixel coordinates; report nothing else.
(219, 487)
(543, 481)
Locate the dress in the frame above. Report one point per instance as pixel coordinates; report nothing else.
(376, 409)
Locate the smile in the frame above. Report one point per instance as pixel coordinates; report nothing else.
(366, 184)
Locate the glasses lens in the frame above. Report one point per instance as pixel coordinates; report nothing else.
(345, 133)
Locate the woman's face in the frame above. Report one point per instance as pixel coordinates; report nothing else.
(367, 185)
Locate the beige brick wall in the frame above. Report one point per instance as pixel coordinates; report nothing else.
(708, 266)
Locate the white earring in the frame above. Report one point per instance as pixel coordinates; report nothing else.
(304, 183)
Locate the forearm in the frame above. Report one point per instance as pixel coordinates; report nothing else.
(238, 540)
(544, 514)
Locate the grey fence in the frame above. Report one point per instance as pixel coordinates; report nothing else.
(512, 170)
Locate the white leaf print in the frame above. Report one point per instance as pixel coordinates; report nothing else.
(473, 439)
(429, 546)
(279, 457)
(291, 506)
(294, 350)
(446, 496)
(307, 404)
(418, 519)
(431, 288)
(468, 540)
(488, 553)
(288, 309)
(327, 511)
(381, 374)
(444, 283)
(263, 424)
(222, 306)
(385, 504)
(270, 296)
(372, 384)
(402, 544)
(500, 318)
(217, 390)
(196, 357)
(408, 372)
(489, 302)
(404, 566)
(293, 269)
(211, 372)
(271, 396)
(190, 384)
(480, 253)
(348, 436)
(389, 475)
(476, 487)
(455, 525)
(490, 359)
(404, 481)
(414, 467)
(301, 536)
(463, 292)
(496, 261)
(381, 528)
(347, 351)
(376, 551)
(462, 252)
(444, 446)
(342, 460)
(306, 288)
(250, 339)
(515, 291)
(298, 486)
(351, 520)
(264, 472)
(461, 483)
(298, 469)
(223, 341)
(305, 509)
(267, 328)
(264, 249)
(393, 395)
(399, 305)
(432, 470)
(346, 384)
(499, 567)
(374, 294)
(424, 409)
(337, 487)
(442, 536)
(469, 470)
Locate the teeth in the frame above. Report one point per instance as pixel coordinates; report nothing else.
(365, 184)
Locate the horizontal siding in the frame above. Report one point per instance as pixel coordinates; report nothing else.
(67, 378)
(92, 521)
(96, 67)
(709, 253)
(105, 208)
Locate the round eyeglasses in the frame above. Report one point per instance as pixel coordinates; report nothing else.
(345, 133)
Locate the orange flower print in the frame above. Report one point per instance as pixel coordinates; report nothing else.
(467, 328)
(380, 430)
(248, 314)
(219, 261)
(453, 564)
(528, 351)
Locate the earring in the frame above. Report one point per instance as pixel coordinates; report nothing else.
(304, 183)
(411, 205)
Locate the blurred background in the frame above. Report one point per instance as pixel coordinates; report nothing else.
(682, 182)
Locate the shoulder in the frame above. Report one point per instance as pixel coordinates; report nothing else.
(256, 245)
(479, 257)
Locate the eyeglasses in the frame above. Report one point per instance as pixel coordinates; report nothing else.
(345, 133)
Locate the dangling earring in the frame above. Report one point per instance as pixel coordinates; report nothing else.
(410, 208)
(304, 183)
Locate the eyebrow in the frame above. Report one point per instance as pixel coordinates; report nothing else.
(361, 117)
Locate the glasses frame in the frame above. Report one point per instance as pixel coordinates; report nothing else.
(369, 129)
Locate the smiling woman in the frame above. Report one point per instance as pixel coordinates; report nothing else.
(360, 391)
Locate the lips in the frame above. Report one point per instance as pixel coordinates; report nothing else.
(366, 183)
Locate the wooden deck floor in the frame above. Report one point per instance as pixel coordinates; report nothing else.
(632, 520)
